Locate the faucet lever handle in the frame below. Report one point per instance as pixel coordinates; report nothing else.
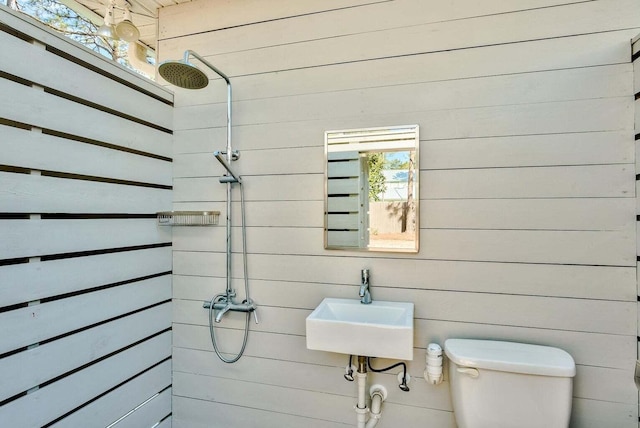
(255, 315)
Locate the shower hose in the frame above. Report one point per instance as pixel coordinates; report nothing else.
(212, 330)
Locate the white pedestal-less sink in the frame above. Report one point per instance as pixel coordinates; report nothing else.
(379, 329)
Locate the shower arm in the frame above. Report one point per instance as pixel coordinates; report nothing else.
(226, 79)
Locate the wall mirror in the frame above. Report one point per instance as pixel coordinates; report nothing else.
(371, 189)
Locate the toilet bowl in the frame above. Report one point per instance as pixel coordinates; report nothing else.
(509, 385)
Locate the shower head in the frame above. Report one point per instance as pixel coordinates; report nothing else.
(183, 74)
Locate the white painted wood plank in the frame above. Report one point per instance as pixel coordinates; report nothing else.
(304, 376)
(534, 182)
(39, 151)
(591, 382)
(342, 187)
(83, 84)
(27, 369)
(615, 385)
(33, 324)
(342, 221)
(509, 151)
(599, 282)
(436, 37)
(343, 169)
(614, 248)
(191, 16)
(332, 22)
(293, 160)
(528, 214)
(343, 204)
(195, 413)
(537, 182)
(118, 402)
(520, 311)
(53, 113)
(33, 281)
(564, 247)
(343, 239)
(27, 238)
(487, 92)
(597, 414)
(150, 413)
(295, 187)
(550, 86)
(30, 193)
(530, 150)
(266, 397)
(589, 349)
(535, 56)
(309, 295)
(615, 114)
(265, 213)
(80, 387)
(329, 407)
(40, 32)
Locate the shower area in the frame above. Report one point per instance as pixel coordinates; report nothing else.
(184, 74)
(113, 318)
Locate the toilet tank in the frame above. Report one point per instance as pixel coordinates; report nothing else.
(505, 384)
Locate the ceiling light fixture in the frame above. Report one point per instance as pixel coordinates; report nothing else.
(124, 30)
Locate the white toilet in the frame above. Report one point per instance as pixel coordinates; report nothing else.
(509, 385)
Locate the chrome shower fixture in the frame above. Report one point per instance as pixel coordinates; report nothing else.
(225, 179)
(186, 75)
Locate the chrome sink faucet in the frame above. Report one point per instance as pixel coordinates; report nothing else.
(365, 294)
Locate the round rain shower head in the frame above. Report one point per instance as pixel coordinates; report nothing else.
(183, 74)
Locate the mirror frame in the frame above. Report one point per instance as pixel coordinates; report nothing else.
(368, 140)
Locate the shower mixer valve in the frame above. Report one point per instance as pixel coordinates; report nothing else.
(224, 305)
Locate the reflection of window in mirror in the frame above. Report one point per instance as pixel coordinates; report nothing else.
(372, 187)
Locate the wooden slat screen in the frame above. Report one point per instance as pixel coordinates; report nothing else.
(85, 272)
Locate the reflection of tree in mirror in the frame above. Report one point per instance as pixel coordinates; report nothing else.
(397, 160)
(392, 210)
(377, 181)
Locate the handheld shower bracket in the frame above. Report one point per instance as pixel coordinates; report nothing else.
(235, 154)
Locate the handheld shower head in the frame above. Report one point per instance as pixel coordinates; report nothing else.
(183, 74)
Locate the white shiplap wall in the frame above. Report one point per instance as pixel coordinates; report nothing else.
(85, 272)
(526, 118)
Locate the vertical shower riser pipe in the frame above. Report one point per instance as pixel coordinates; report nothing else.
(229, 154)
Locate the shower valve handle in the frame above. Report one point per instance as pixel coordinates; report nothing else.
(255, 315)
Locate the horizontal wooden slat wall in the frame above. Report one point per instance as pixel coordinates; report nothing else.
(85, 272)
(527, 196)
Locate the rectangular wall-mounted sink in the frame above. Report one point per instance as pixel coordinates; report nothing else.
(379, 329)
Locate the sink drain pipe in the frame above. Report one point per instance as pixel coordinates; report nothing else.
(378, 394)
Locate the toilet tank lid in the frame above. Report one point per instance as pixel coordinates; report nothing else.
(510, 357)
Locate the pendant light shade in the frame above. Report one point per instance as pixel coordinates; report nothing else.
(108, 29)
(125, 29)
